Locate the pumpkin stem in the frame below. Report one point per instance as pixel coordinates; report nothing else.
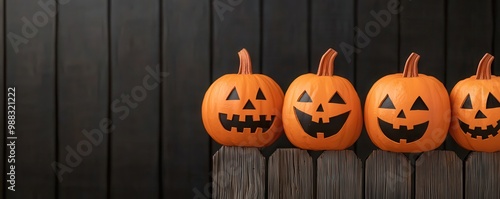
(326, 63)
(484, 67)
(411, 66)
(245, 62)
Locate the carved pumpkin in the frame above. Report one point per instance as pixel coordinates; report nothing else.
(243, 109)
(475, 103)
(322, 111)
(407, 112)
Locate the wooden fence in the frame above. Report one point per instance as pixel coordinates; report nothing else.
(292, 173)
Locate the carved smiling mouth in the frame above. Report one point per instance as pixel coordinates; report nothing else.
(328, 129)
(403, 133)
(248, 123)
(490, 130)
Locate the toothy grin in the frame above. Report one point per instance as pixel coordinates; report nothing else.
(477, 131)
(248, 123)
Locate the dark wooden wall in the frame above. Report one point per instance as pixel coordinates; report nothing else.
(80, 63)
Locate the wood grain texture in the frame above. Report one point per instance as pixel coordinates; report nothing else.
(31, 68)
(387, 175)
(238, 173)
(482, 171)
(233, 29)
(186, 59)
(290, 174)
(377, 53)
(468, 39)
(135, 101)
(284, 47)
(438, 175)
(83, 96)
(340, 175)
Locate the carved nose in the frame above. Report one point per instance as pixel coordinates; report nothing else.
(401, 114)
(480, 115)
(320, 108)
(249, 105)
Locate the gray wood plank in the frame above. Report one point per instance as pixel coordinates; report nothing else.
(482, 171)
(135, 103)
(340, 175)
(30, 62)
(496, 37)
(387, 175)
(284, 47)
(438, 175)
(185, 148)
(378, 52)
(238, 172)
(466, 48)
(234, 28)
(290, 174)
(83, 96)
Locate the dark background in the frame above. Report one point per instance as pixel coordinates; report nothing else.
(77, 63)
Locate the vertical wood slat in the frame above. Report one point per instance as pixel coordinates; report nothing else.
(30, 62)
(377, 55)
(387, 175)
(186, 59)
(3, 154)
(496, 36)
(438, 175)
(340, 175)
(238, 173)
(468, 39)
(233, 30)
(83, 97)
(284, 47)
(290, 174)
(482, 173)
(135, 106)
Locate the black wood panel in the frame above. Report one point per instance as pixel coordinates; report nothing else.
(82, 54)
(378, 52)
(30, 55)
(236, 25)
(496, 36)
(3, 101)
(468, 39)
(185, 149)
(135, 56)
(285, 53)
(422, 30)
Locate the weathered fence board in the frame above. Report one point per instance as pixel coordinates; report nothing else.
(238, 173)
(387, 175)
(482, 175)
(290, 174)
(339, 175)
(438, 175)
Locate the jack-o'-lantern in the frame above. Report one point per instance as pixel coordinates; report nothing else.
(243, 109)
(407, 112)
(475, 103)
(322, 111)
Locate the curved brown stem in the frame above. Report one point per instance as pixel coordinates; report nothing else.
(411, 66)
(326, 63)
(484, 67)
(245, 62)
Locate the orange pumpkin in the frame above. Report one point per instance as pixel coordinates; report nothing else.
(407, 112)
(322, 111)
(243, 109)
(475, 104)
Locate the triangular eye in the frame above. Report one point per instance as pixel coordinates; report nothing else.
(233, 95)
(419, 104)
(260, 95)
(387, 103)
(467, 103)
(492, 102)
(304, 97)
(336, 99)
